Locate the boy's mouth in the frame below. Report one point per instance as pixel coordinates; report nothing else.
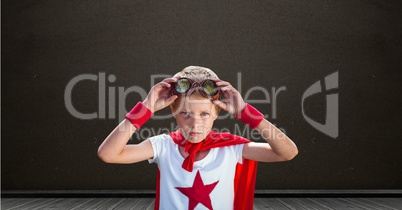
(194, 133)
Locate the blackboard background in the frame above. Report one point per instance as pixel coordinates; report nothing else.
(292, 44)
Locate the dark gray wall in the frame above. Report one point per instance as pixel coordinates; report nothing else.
(272, 44)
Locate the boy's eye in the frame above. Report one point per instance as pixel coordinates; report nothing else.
(204, 114)
(184, 113)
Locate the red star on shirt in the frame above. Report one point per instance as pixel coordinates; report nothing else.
(198, 193)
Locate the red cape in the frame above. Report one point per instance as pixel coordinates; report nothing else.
(244, 182)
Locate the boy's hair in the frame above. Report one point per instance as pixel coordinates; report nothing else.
(198, 74)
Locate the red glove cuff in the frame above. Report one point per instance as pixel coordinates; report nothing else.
(251, 116)
(139, 115)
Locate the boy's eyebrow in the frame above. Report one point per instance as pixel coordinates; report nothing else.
(185, 110)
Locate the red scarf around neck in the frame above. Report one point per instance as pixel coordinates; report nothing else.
(213, 140)
(245, 177)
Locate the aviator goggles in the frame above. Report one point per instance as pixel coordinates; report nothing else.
(207, 88)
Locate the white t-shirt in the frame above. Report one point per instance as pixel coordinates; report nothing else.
(216, 171)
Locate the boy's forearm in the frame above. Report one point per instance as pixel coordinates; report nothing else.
(278, 141)
(114, 144)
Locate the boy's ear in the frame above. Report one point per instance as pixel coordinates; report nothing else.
(217, 111)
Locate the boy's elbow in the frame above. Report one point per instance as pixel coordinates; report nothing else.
(105, 157)
(292, 154)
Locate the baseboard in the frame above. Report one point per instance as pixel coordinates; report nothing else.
(151, 193)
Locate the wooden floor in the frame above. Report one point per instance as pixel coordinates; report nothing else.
(148, 203)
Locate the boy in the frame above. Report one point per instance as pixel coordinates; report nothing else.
(198, 168)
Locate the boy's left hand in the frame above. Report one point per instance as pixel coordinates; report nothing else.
(232, 101)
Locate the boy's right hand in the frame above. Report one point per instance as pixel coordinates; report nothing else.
(158, 97)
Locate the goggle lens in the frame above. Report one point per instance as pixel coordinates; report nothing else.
(182, 85)
(210, 88)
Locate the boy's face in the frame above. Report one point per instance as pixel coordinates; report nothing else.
(195, 117)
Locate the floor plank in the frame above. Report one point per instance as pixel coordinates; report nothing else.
(309, 204)
(273, 203)
(151, 206)
(260, 204)
(144, 203)
(128, 203)
(335, 203)
(101, 202)
(86, 203)
(148, 203)
(391, 202)
(318, 203)
(42, 203)
(292, 204)
(373, 204)
(16, 202)
(111, 204)
(354, 203)
(63, 203)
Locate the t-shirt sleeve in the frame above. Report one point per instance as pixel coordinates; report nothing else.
(157, 144)
(238, 149)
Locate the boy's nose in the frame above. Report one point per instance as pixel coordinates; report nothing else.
(197, 128)
(195, 121)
